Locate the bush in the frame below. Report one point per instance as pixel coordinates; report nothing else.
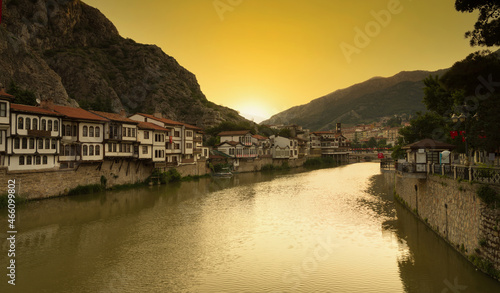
(488, 195)
(85, 189)
(320, 162)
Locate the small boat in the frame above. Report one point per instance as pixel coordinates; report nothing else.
(225, 173)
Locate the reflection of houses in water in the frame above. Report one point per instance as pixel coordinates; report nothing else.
(34, 239)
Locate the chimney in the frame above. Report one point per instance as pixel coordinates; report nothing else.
(123, 113)
(158, 115)
(47, 104)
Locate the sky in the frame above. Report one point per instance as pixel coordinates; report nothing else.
(261, 57)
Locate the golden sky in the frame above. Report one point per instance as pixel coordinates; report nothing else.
(261, 57)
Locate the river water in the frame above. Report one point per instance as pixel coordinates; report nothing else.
(329, 230)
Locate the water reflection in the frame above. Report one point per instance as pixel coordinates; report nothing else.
(332, 230)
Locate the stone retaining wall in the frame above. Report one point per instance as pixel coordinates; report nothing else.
(454, 211)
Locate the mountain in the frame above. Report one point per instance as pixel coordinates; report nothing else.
(70, 52)
(361, 103)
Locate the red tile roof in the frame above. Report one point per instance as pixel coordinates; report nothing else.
(170, 122)
(259, 137)
(3, 94)
(150, 126)
(233, 133)
(33, 109)
(231, 143)
(115, 117)
(78, 113)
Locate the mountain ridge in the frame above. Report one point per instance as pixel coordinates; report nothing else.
(360, 102)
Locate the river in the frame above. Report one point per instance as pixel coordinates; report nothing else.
(328, 230)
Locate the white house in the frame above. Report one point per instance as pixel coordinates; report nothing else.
(120, 135)
(242, 136)
(34, 138)
(82, 135)
(282, 143)
(151, 139)
(5, 100)
(180, 140)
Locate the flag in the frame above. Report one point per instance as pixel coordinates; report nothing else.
(453, 134)
(381, 156)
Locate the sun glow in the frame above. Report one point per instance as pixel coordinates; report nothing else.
(253, 109)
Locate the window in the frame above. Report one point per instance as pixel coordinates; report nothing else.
(177, 146)
(20, 123)
(121, 148)
(91, 131)
(189, 145)
(133, 132)
(97, 131)
(3, 109)
(67, 150)
(40, 143)
(124, 131)
(47, 143)
(56, 125)
(177, 134)
(129, 132)
(189, 133)
(74, 130)
(146, 134)
(16, 143)
(43, 125)
(38, 160)
(54, 143)
(85, 131)
(21, 160)
(49, 126)
(144, 150)
(231, 151)
(110, 147)
(97, 150)
(35, 124)
(28, 160)
(68, 130)
(85, 150)
(32, 143)
(91, 150)
(45, 161)
(114, 148)
(28, 123)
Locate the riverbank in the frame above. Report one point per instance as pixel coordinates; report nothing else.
(456, 211)
(113, 174)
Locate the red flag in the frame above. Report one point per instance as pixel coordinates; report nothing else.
(453, 134)
(170, 139)
(380, 156)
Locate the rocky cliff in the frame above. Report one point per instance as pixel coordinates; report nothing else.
(70, 52)
(361, 103)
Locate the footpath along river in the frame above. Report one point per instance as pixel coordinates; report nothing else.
(329, 230)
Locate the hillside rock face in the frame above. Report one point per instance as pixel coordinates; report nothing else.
(70, 52)
(364, 102)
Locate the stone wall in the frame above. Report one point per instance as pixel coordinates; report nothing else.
(49, 183)
(255, 165)
(454, 211)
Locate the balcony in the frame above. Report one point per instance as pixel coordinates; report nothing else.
(39, 133)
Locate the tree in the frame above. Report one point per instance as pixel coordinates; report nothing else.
(487, 27)
(436, 97)
(371, 142)
(22, 96)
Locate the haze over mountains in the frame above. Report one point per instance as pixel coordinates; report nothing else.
(361, 103)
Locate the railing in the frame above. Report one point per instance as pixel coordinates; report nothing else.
(481, 174)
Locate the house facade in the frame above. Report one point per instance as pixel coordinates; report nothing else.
(120, 136)
(34, 137)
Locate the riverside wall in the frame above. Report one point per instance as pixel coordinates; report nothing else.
(455, 212)
(41, 184)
